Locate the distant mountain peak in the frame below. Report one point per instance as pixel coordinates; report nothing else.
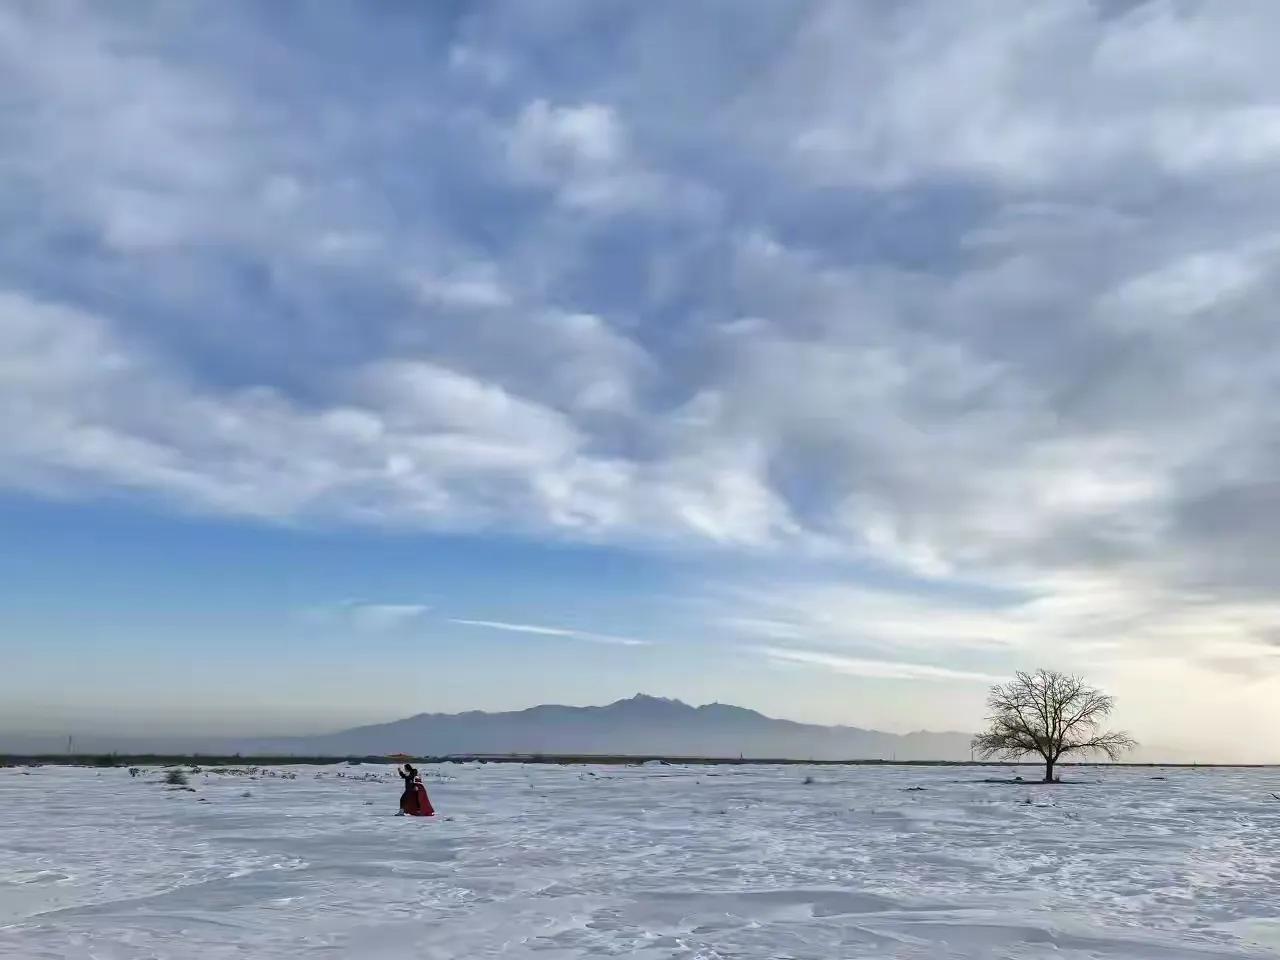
(650, 698)
(643, 704)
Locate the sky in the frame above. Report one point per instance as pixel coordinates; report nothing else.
(834, 359)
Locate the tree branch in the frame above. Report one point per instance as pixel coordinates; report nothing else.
(1048, 713)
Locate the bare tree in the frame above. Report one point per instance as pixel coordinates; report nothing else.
(1050, 714)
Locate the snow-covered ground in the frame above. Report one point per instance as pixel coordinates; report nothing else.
(560, 862)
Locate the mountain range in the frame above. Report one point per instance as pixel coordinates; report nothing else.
(642, 725)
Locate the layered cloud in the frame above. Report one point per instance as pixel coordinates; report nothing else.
(976, 295)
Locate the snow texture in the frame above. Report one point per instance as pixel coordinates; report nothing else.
(696, 862)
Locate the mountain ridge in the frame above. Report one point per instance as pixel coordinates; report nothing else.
(641, 725)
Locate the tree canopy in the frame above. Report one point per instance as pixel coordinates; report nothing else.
(1049, 714)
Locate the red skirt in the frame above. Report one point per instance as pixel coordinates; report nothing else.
(422, 807)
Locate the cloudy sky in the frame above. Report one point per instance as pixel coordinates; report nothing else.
(828, 358)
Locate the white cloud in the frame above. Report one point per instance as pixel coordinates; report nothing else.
(400, 442)
(550, 140)
(584, 153)
(1023, 96)
(1192, 288)
(475, 61)
(384, 616)
(580, 150)
(367, 616)
(554, 632)
(970, 293)
(477, 288)
(876, 669)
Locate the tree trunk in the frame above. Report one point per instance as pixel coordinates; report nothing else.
(1048, 771)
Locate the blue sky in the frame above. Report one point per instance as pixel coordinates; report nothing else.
(831, 358)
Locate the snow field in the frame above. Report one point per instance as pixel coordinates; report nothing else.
(682, 862)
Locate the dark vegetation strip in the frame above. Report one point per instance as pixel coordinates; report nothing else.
(173, 760)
